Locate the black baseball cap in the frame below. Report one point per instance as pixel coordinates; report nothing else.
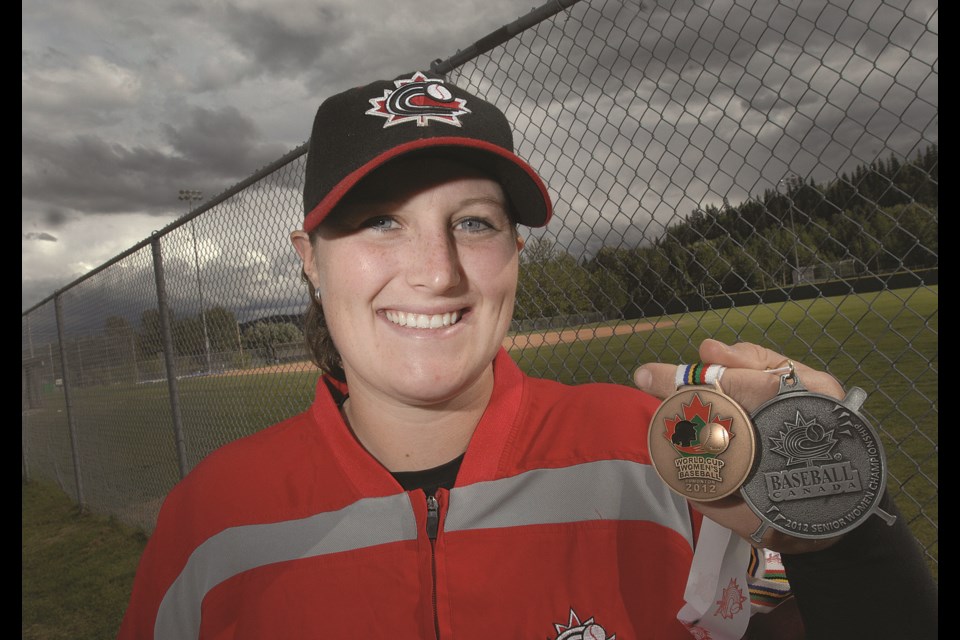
(358, 131)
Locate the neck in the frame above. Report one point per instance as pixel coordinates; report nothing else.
(412, 437)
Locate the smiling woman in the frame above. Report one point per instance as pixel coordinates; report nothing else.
(418, 266)
(433, 490)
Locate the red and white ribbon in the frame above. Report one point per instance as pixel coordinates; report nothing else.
(717, 595)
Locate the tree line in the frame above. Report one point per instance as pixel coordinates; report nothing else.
(217, 327)
(209, 341)
(881, 218)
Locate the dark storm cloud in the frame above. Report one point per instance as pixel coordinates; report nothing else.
(56, 217)
(221, 140)
(662, 106)
(285, 47)
(91, 175)
(33, 235)
(212, 149)
(329, 46)
(682, 94)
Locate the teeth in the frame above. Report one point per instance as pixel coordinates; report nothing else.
(422, 320)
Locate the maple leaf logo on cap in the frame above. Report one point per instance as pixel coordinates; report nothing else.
(418, 99)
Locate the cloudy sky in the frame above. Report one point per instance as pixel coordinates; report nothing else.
(125, 102)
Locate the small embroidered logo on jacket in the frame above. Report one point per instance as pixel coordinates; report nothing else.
(577, 630)
(699, 633)
(731, 601)
(418, 99)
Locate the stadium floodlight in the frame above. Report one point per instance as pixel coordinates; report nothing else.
(190, 196)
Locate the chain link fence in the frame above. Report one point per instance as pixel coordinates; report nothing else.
(761, 171)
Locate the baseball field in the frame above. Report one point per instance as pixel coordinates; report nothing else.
(885, 343)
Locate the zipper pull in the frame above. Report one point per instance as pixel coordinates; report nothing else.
(433, 517)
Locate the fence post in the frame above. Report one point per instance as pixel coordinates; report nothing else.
(71, 423)
(24, 470)
(169, 356)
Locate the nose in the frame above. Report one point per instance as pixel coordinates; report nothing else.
(434, 262)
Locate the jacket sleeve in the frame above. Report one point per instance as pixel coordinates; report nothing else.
(874, 583)
(166, 554)
(149, 585)
(138, 621)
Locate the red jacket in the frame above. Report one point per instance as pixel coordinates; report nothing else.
(556, 522)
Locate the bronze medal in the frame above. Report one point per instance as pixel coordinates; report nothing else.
(821, 468)
(702, 443)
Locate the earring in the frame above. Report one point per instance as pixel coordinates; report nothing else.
(316, 294)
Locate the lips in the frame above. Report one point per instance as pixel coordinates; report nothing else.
(423, 320)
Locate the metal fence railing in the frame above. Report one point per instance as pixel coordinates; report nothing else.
(763, 171)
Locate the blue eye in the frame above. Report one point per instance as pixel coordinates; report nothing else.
(380, 223)
(474, 225)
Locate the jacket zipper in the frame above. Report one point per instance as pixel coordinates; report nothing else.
(433, 528)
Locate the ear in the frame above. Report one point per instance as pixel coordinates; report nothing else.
(521, 243)
(304, 247)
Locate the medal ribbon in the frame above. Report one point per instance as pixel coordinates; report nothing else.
(698, 374)
(717, 594)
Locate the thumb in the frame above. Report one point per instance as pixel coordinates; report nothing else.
(657, 379)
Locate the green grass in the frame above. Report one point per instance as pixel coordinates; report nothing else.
(77, 570)
(126, 439)
(886, 343)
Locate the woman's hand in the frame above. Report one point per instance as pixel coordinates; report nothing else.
(746, 382)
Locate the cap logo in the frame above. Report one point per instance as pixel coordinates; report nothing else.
(418, 99)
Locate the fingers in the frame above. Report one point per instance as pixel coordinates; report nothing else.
(657, 379)
(749, 387)
(745, 379)
(733, 513)
(742, 355)
(747, 355)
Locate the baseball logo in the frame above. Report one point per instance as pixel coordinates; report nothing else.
(594, 632)
(576, 629)
(439, 92)
(714, 438)
(420, 100)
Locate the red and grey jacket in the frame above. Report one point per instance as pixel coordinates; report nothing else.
(557, 526)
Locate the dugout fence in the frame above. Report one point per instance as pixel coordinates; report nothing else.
(762, 171)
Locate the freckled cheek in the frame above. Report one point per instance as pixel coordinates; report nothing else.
(371, 266)
(497, 271)
(353, 273)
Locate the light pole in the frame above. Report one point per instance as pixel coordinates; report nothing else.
(791, 180)
(190, 196)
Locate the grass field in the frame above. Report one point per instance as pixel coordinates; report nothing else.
(76, 570)
(886, 343)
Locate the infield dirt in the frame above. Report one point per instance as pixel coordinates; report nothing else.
(510, 343)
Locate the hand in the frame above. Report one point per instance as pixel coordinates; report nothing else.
(746, 382)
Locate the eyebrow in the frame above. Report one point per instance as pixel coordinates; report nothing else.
(500, 202)
(357, 205)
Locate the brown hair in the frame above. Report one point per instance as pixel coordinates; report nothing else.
(317, 336)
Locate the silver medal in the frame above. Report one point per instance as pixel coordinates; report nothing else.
(820, 469)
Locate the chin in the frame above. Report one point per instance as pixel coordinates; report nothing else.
(438, 383)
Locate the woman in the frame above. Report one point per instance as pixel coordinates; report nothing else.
(433, 490)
